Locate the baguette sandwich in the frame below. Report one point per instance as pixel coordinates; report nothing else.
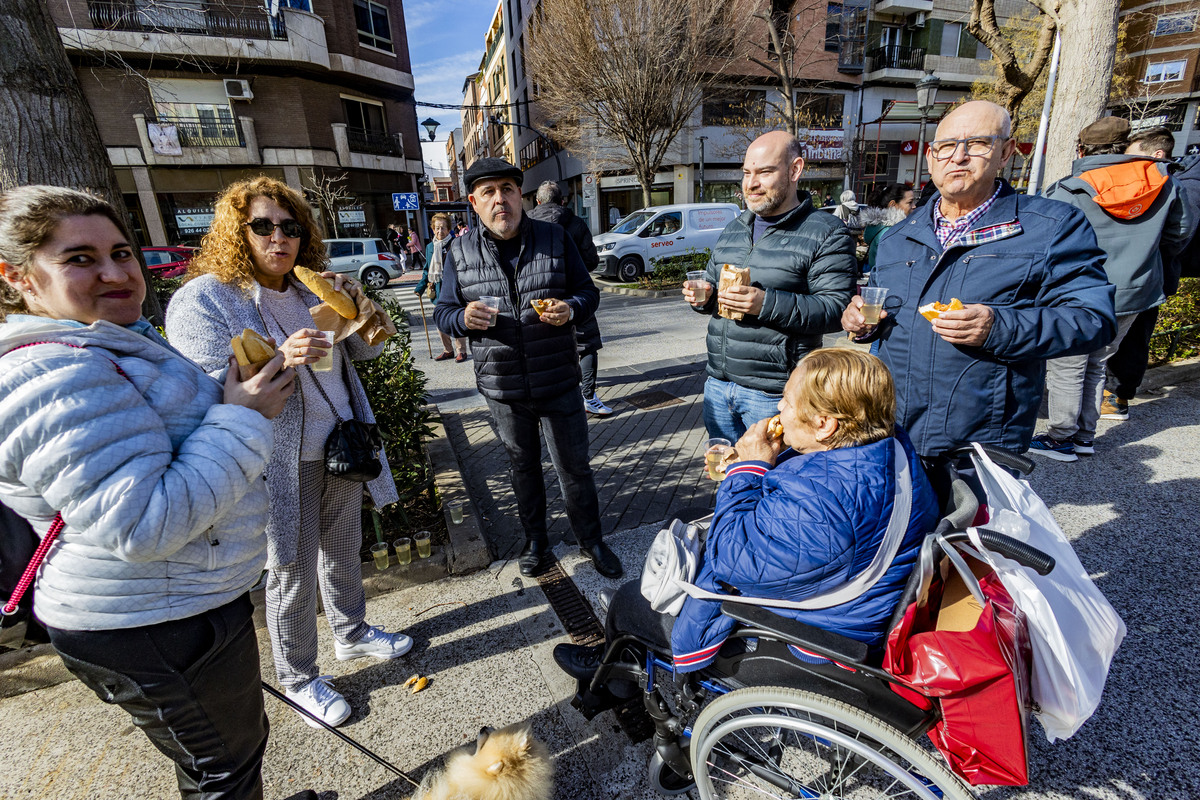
(252, 351)
(934, 310)
(339, 301)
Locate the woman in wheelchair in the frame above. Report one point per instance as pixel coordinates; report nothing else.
(794, 522)
(745, 709)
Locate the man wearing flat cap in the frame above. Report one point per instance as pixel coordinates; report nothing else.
(523, 345)
(1141, 221)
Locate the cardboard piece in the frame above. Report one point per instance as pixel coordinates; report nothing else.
(372, 324)
(960, 611)
(732, 276)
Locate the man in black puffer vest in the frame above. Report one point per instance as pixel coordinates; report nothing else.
(802, 271)
(525, 362)
(550, 208)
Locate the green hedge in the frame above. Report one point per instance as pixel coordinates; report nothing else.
(1175, 338)
(670, 273)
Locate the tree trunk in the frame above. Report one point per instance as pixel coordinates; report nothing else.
(1089, 45)
(49, 133)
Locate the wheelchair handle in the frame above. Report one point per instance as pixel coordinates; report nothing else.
(1004, 458)
(1024, 554)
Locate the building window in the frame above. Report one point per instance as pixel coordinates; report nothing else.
(951, 33)
(364, 115)
(833, 27)
(373, 26)
(301, 5)
(1179, 22)
(734, 107)
(820, 110)
(875, 164)
(1165, 72)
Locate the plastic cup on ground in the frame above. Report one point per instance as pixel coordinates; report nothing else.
(872, 303)
(698, 284)
(457, 507)
(325, 362)
(714, 451)
(379, 552)
(403, 550)
(421, 540)
(491, 301)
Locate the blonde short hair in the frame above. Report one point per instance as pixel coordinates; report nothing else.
(853, 387)
(441, 216)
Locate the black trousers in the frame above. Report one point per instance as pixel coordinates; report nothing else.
(587, 366)
(562, 420)
(1128, 365)
(192, 686)
(630, 613)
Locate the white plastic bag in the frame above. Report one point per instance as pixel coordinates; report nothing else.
(672, 560)
(1073, 629)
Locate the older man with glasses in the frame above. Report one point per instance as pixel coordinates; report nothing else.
(1027, 271)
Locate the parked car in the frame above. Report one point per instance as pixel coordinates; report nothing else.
(651, 234)
(368, 260)
(168, 262)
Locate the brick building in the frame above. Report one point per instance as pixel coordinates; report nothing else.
(1163, 50)
(190, 97)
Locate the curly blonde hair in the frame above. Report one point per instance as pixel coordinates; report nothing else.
(224, 252)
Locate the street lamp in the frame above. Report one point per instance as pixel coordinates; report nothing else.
(926, 98)
(702, 139)
(430, 125)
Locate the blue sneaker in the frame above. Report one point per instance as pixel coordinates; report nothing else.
(1046, 445)
(1084, 445)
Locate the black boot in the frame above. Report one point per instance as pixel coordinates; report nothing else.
(605, 560)
(534, 555)
(578, 661)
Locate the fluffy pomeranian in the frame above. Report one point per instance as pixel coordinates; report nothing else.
(508, 764)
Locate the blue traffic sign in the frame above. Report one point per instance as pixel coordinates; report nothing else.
(405, 201)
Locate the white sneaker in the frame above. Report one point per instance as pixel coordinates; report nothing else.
(595, 405)
(377, 643)
(319, 698)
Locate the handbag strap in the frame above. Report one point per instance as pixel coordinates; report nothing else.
(56, 526)
(856, 586)
(329, 402)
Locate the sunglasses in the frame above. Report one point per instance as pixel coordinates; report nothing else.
(264, 227)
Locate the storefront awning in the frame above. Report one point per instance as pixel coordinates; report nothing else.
(907, 111)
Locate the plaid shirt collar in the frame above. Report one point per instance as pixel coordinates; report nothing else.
(948, 231)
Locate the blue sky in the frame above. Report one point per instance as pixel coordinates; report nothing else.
(445, 44)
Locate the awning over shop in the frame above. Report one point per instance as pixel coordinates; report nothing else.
(907, 111)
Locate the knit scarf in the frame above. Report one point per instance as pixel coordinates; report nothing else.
(435, 259)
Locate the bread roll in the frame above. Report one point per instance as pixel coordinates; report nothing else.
(934, 310)
(341, 302)
(252, 352)
(775, 427)
(540, 305)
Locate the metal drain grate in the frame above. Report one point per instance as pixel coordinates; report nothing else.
(572, 610)
(648, 401)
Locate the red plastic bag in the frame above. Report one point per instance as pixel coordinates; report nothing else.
(972, 659)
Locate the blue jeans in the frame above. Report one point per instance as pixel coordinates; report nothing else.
(730, 409)
(520, 426)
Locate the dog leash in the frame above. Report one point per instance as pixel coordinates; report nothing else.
(271, 690)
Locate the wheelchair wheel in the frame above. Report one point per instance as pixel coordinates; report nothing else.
(764, 742)
(663, 779)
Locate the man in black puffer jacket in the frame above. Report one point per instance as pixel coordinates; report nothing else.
(526, 367)
(802, 270)
(550, 208)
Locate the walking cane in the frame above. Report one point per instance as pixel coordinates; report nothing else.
(428, 343)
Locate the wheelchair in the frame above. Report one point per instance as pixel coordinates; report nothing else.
(792, 711)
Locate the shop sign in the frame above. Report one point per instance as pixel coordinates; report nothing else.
(631, 181)
(824, 145)
(589, 189)
(351, 216)
(192, 221)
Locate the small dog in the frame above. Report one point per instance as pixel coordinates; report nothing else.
(508, 764)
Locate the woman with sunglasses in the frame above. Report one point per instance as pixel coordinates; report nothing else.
(242, 278)
(150, 472)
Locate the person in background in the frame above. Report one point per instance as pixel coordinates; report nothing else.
(402, 248)
(154, 471)
(526, 364)
(1028, 271)
(550, 208)
(1128, 365)
(847, 210)
(242, 278)
(802, 271)
(431, 279)
(391, 238)
(416, 250)
(888, 205)
(1141, 221)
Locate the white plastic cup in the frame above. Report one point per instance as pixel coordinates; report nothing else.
(325, 362)
(491, 301)
(872, 303)
(698, 283)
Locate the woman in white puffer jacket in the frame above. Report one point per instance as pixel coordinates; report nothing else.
(156, 470)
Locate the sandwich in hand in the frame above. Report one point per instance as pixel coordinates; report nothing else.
(339, 301)
(775, 427)
(252, 351)
(934, 310)
(541, 306)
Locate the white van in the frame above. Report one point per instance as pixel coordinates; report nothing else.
(649, 234)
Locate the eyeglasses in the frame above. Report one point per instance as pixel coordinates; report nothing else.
(264, 227)
(976, 146)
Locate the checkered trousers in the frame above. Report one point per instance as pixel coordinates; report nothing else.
(326, 554)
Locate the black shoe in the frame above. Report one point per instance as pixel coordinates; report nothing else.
(532, 557)
(605, 560)
(578, 661)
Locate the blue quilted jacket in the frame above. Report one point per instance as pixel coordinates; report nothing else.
(809, 525)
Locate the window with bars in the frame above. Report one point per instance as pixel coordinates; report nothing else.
(1178, 22)
(374, 29)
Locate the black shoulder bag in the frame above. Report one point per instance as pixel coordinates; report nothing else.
(352, 449)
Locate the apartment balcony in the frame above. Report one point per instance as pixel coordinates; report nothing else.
(206, 132)
(360, 148)
(903, 6)
(192, 142)
(183, 17)
(850, 57)
(895, 63)
(362, 140)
